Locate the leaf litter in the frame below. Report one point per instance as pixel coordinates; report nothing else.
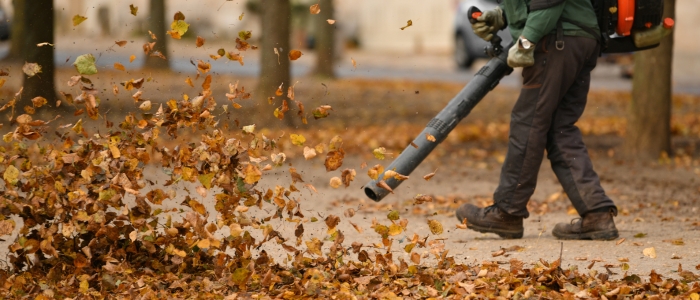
(94, 226)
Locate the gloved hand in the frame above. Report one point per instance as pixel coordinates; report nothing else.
(521, 57)
(489, 23)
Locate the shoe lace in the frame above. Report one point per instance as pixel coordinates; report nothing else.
(490, 209)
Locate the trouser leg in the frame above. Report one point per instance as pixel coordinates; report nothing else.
(566, 151)
(544, 85)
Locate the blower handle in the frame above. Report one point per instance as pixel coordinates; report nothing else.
(473, 13)
(495, 48)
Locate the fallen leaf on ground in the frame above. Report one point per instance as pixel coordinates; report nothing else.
(649, 252)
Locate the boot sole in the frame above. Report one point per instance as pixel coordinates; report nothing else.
(604, 235)
(506, 234)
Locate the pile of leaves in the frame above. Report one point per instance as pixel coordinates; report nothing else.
(110, 214)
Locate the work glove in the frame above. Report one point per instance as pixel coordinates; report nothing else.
(489, 23)
(518, 56)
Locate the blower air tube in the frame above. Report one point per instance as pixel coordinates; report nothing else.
(459, 107)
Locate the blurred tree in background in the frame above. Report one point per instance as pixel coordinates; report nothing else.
(39, 25)
(157, 25)
(325, 40)
(648, 132)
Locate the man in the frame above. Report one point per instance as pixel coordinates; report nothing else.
(557, 58)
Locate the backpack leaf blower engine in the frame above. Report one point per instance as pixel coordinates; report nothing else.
(625, 26)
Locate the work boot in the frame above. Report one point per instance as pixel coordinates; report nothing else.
(491, 219)
(593, 226)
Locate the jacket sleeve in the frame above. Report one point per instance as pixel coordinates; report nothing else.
(543, 21)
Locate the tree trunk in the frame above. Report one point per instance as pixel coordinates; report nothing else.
(648, 133)
(39, 24)
(275, 69)
(157, 25)
(17, 33)
(325, 41)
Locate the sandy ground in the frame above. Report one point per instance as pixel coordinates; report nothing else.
(658, 202)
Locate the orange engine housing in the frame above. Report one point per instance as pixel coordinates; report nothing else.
(625, 17)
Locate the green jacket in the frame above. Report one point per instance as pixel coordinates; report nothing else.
(535, 25)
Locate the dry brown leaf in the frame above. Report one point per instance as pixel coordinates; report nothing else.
(408, 24)
(330, 21)
(199, 42)
(119, 66)
(429, 176)
(315, 9)
(294, 54)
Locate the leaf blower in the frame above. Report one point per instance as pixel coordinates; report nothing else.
(459, 107)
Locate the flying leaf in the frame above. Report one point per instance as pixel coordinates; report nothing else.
(252, 174)
(39, 101)
(429, 137)
(330, 21)
(198, 207)
(77, 19)
(134, 9)
(321, 111)
(119, 66)
(348, 176)
(315, 9)
(199, 42)
(145, 106)
(408, 24)
(245, 34)
(336, 182)
(354, 63)
(384, 185)
(240, 18)
(429, 176)
(31, 69)
(178, 29)
(309, 153)
(380, 152)
(132, 58)
(85, 64)
(11, 175)
(435, 226)
(294, 54)
(334, 159)
(297, 139)
(375, 171)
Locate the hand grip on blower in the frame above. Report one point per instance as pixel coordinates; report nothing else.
(495, 48)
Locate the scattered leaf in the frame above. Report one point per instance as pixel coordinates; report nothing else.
(408, 24)
(77, 19)
(315, 9)
(649, 252)
(133, 9)
(31, 69)
(294, 54)
(85, 64)
(435, 226)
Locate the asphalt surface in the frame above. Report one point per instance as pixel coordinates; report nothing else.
(419, 67)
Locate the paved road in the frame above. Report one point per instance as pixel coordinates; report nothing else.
(432, 67)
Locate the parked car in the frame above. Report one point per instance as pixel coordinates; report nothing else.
(4, 25)
(468, 46)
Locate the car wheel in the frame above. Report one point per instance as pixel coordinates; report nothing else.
(462, 57)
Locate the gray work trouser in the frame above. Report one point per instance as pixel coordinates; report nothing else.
(552, 99)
